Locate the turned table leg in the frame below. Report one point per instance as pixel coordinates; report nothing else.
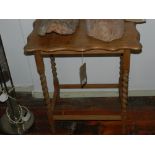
(56, 94)
(41, 72)
(124, 77)
(120, 77)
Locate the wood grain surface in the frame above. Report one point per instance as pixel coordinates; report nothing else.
(62, 45)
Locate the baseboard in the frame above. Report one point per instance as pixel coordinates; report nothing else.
(24, 89)
(97, 94)
(83, 93)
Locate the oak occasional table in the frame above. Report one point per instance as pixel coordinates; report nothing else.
(54, 45)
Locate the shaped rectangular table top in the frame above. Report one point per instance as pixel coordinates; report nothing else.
(80, 42)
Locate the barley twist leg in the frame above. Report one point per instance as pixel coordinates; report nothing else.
(56, 95)
(120, 78)
(125, 66)
(124, 91)
(41, 72)
(47, 101)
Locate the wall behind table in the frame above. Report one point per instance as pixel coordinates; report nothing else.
(100, 70)
(13, 44)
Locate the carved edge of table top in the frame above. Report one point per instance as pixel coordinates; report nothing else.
(80, 42)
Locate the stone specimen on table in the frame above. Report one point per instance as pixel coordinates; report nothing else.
(60, 26)
(105, 29)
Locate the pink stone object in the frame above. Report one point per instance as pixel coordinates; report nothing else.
(105, 29)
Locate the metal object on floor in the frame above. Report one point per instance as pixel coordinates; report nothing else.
(17, 119)
(7, 127)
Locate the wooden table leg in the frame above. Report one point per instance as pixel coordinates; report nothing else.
(41, 72)
(124, 76)
(120, 77)
(56, 95)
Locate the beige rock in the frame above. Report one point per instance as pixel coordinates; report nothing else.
(102, 29)
(60, 26)
(105, 29)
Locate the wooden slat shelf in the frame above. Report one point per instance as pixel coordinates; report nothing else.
(86, 111)
(87, 117)
(88, 86)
